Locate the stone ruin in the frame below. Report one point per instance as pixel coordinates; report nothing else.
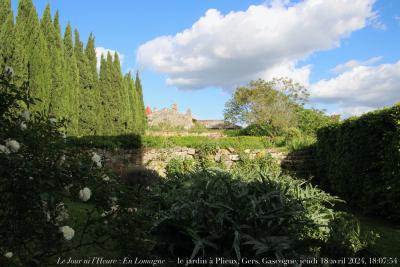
(169, 117)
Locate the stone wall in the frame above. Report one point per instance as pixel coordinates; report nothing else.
(157, 159)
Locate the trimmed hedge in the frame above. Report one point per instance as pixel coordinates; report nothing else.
(131, 141)
(359, 159)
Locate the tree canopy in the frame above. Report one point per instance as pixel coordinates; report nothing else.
(266, 102)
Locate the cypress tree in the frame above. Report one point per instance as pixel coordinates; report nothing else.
(5, 11)
(140, 104)
(7, 43)
(32, 58)
(57, 96)
(71, 79)
(64, 75)
(121, 98)
(90, 53)
(59, 102)
(87, 111)
(107, 98)
(132, 100)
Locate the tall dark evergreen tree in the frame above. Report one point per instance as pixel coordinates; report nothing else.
(90, 53)
(120, 95)
(7, 42)
(71, 79)
(32, 57)
(132, 102)
(64, 76)
(58, 106)
(140, 106)
(5, 10)
(87, 110)
(108, 101)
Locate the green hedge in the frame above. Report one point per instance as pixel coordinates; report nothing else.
(359, 159)
(130, 141)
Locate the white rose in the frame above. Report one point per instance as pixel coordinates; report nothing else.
(85, 194)
(67, 231)
(26, 115)
(8, 254)
(13, 145)
(4, 149)
(23, 126)
(106, 178)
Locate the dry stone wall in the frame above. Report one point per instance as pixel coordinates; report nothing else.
(157, 159)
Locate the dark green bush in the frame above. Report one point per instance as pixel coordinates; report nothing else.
(253, 211)
(359, 160)
(107, 142)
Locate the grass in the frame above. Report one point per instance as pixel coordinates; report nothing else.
(388, 245)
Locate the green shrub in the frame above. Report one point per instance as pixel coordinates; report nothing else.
(260, 130)
(359, 160)
(310, 120)
(344, 238)
(179, 166)
(291, 133)
(253, 211)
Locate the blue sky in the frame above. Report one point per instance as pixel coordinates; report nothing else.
(196, 52)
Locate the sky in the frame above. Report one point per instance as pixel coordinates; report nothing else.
(196, 52)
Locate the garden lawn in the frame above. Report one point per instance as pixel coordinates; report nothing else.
(388, 245)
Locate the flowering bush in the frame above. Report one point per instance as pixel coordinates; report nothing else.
(52, 196)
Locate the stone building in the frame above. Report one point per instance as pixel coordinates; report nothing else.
(169, 117)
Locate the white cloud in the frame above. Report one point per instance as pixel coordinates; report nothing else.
(360, 89)
(228, 50)
(349, 65)
(103, 51)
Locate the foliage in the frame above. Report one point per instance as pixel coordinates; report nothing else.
(344, 238)
(259, 130)
(179, 166)
(359, 160)
(253, 211)
(310, 120)
(261, 102)
(389, 233)
(131, 141)
(63, 74)
(42, 180)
